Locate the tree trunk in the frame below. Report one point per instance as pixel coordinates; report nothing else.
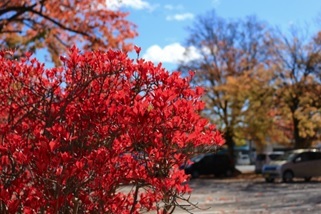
(299, 142)
(230, 145)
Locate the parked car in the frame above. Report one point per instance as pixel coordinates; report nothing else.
(210, 164)
(243, 159)
(265, 158)
(303, 163)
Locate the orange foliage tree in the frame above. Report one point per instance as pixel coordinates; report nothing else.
(232, 52)
(57, 25)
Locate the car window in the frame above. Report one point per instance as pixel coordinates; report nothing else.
(261, 157)
(309, 156)
(274, 156)
(208, 159)
(316, 156)
(220, 158)
(197, 158)
(305, 156)
(287, 156)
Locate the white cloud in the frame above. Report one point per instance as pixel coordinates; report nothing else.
(180, 17)
(135, 4)
(173, 53)
(173, 7)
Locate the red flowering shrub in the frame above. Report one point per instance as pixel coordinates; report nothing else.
(103, 134)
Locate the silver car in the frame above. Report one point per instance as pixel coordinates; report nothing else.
(301, 163)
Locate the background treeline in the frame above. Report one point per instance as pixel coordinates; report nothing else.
(262, 84)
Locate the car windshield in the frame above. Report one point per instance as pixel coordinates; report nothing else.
(197, 158)
(288, 156)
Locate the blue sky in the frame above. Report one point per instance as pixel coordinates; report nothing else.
(162, 24)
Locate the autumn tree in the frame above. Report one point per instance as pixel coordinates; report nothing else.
(56, 25)
(102, 134)
(297, 69)
(229, 51)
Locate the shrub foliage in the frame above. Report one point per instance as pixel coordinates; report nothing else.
(102, 134)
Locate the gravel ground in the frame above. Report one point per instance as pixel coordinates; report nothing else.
(248, 193)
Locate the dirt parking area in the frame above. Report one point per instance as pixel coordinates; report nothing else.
(249, 193)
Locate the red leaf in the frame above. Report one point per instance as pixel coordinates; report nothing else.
(52, 145)
(3, 149)
(137, 49)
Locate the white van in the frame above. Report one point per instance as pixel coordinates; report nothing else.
(265, 158)
(302, 163)
(243, 159)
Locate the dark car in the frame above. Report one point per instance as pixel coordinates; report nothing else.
(210, 164)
